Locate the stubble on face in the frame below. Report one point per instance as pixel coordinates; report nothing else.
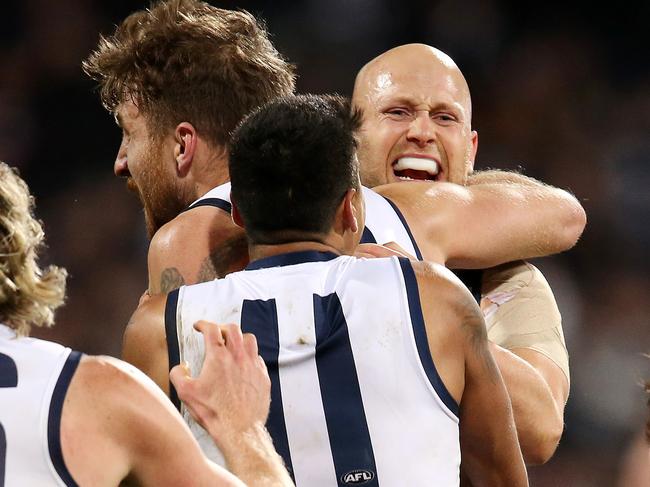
(161, 195)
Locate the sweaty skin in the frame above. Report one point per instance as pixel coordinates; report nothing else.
(415, 102)
(457, 338)
(417, 105)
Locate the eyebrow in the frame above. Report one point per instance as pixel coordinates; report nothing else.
(455, 107)
(403, 100)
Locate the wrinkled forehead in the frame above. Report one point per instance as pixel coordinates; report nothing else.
(418, 80)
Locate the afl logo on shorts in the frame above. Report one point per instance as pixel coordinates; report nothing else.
(357, 477)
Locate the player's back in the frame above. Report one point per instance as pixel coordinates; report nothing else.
(355, 394)
(34, 377)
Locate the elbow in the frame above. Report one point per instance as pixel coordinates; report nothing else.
(540, 451)
(576, 224)
(572, 226)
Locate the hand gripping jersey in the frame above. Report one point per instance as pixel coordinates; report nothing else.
(355, 395)
(34, 379)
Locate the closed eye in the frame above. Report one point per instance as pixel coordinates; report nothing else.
(445, 118)
(398, 113)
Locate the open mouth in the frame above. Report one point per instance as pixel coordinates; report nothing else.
(416, 169)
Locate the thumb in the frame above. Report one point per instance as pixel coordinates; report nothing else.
(180, 376)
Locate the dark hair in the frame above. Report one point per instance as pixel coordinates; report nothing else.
(291, 163)
(184, 60)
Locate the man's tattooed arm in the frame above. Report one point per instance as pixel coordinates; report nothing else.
(170, 279)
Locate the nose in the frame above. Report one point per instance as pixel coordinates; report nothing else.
(421, 129)
(121, 165)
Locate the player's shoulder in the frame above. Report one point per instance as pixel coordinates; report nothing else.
(432, 274)
(148, 318)
(116, 391)
(100, 374)
(188, 226)
(442, 287)
(106, 392)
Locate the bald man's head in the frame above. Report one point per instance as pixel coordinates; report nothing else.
(417, 117)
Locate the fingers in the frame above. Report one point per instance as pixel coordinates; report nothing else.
(250, 345)
(375, 250)
(234, 340)
(211, 335)
(230, 336)
(181, 376)
(211, 332)
(399, 250)
(389, 249)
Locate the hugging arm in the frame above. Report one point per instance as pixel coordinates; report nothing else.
(488, 222)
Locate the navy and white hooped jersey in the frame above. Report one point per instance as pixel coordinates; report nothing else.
(355, 395)
(34, 379)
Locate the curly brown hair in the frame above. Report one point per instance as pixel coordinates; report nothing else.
(184, 60)
(28, 295)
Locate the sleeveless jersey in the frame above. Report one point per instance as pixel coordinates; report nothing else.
(34, 379)
(355, 395)
(218, 197)
(384, 223)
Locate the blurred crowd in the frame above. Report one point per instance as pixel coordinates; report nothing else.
(561, 93)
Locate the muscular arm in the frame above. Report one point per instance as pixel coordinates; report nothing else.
(144, 343)
(538, 409)
(525, 324)
(459, 347)
(488, 223)
(132, 435)
(196, 246)
(131, 432)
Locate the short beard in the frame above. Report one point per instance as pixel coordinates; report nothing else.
(161, 195)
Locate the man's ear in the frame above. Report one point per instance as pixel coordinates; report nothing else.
(236, 216)
(474, 142)
(185, 144)
(350, 210)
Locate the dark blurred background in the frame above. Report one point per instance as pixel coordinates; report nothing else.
(560, 91)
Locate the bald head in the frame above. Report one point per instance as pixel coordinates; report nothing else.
(416, 105)
(415, 60)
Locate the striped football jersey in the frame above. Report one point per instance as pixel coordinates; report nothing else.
(355, 395)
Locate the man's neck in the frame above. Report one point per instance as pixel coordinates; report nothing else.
(261, 251)
(202, 187)
(211, 174)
